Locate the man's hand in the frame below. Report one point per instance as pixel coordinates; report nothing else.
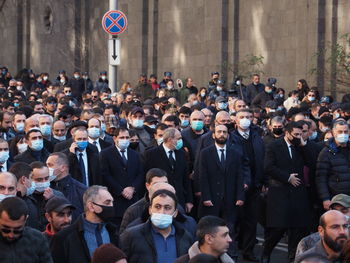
(208, 203)
(326, 204)
(198, 194)
(73, 147)
(189, 207)
(246, 187)
(48, 193)
(294, 180)
(302, 142)
(239, 203)
(128, 192)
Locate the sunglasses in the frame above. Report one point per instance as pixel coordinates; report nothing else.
(9, 230)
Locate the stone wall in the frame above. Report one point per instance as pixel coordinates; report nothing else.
(187, 37)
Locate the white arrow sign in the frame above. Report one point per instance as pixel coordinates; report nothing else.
(114, 51)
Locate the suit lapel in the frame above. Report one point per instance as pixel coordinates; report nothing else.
(164, 156)
(214, 153)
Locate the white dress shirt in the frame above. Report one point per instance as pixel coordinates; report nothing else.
(125, 152)
(97, 144)
(218, 149)
(167, 150)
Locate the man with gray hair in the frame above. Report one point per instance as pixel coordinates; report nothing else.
(78, 242)
(171, 158)
(8, 185)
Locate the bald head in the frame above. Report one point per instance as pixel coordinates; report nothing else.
(330, 217)
(197, 115)
(8, 182)
(160, 186)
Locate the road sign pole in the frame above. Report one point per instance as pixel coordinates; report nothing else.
(112, 70)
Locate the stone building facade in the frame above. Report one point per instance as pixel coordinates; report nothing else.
(187, 37)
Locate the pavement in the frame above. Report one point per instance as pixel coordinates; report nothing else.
(279, 254)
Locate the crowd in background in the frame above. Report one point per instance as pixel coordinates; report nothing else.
(164, 171)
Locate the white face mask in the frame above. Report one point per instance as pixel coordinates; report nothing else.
(2, 196)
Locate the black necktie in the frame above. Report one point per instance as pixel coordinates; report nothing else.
(82, 168)
(95, 143)
(1, 167)
(125, 161)
(222, 157)
(171, 159)
(98, 235)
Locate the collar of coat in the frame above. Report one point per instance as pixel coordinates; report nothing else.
(194, 251)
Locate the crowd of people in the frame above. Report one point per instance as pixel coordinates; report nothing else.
(163, 171)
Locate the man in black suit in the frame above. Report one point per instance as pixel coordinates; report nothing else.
(247, 140)
(171, 158)
(83, 159)
(5, 164)
(221, 180)
(94, 132)
(36, 150)
(122, 172)
(287, 200)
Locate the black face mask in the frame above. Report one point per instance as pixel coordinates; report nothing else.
(277, 131)
(107, 212)
(295, 141)
(229, 126)
(134, 145)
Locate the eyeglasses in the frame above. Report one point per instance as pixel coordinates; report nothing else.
(9, 230)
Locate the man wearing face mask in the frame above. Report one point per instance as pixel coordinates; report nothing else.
(19, 243)
(136, 121)
(5, 163)
(122, 172)
(221, 104)
(160, 239)
(59, 131)
(171, 158)
(184, 116)
(219, 90)
(287, 195)
(94, 132)
(276, 130)
(158, 136)
(247, 140)
(261, 98)
(62, 181)
(36, 150)
(42, 192)
(45, 125)
(77, 85)
(25, 189)
(78, 242)
(332, 173)
(102, 82)
(83, 156)
(88, 84)
(18, 122)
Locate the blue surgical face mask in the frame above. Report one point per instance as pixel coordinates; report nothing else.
(161, 221)
(137, 123)
(342, 138)
(2, 196)
(197, 125)
(16, 104)
(222, 105)
(40, 187)
(94, 132)
(82, 145)
(269, 91)
(20, 127)
(313, 136)
(4, 156)
(45, 130)
(218, 88)
(179, 144)
(31, 189)
(159, 141)
(103, 127)
(37, 145)
(123, 144)
(185, 123)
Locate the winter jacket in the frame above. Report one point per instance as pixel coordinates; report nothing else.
(332, 171)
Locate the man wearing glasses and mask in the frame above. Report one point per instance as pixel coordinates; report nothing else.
(17, 242)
